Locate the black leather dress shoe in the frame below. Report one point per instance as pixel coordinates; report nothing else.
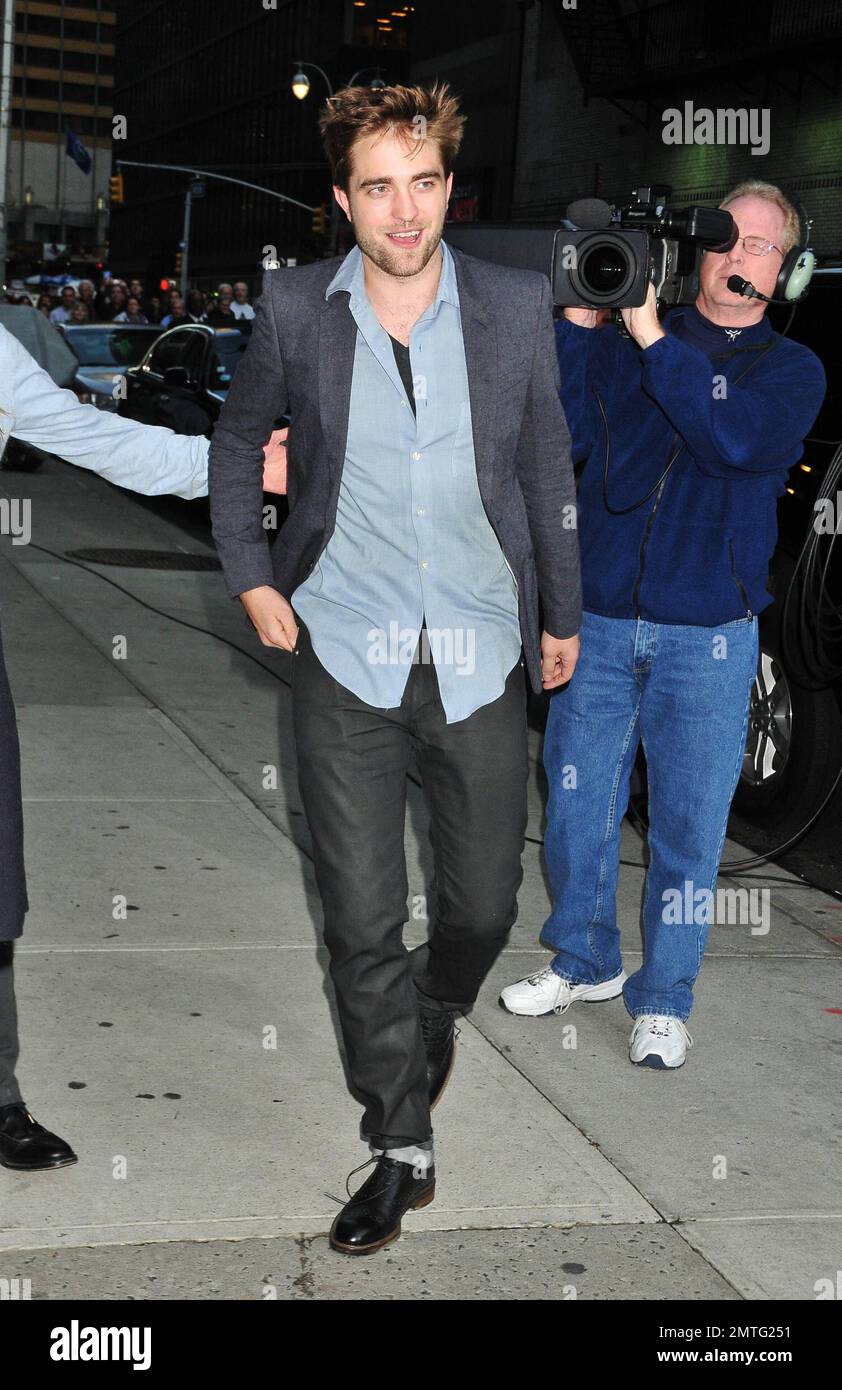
(373, 1216)
(439, 1033)
(26, 1144)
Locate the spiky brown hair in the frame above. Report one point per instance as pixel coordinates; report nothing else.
(431, 113)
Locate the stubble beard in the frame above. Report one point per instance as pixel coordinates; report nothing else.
(396, 263)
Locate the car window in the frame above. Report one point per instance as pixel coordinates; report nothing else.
(107, 346)
(183, 348)
(228, 348)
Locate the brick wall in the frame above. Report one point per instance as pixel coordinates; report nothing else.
(568, 148)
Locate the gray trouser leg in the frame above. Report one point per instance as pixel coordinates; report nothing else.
(9, 1092)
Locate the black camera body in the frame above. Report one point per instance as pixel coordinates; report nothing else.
(611, 255)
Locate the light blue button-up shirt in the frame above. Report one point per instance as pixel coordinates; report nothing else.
(412, 540)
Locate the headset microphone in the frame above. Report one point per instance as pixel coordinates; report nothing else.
(737, 285)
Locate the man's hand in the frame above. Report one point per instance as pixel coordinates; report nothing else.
(643, 324)
(271, 616)
(586, 318)
(275, 462)
(558, 659)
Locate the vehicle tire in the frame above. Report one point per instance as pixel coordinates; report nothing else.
(794, 747)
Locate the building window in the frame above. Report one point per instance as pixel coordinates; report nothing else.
(378, 24)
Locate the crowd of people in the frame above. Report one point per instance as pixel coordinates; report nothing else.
(121, 301)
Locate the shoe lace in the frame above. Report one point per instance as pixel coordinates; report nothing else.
(541, 977)
(372, 1196)
(433, 1024)
(662, 1026)
(375, 1158)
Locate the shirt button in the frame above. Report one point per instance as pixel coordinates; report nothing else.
(415, 454)
(424, 564)
(421, 511)
(403, 402)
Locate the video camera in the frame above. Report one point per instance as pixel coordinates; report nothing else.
(613, 253)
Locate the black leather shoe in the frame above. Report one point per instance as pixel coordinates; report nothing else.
(373, 1216)
(439, 1033)
(26, 1144)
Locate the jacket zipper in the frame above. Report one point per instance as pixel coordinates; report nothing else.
(643, 544)
(737, 580)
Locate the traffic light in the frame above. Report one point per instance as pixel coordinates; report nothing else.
(115, 188)
(320, 220)
(178, 258)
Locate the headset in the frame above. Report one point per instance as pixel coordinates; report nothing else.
(796, 270)
(798, 265)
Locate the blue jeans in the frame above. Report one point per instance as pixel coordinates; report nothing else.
(683, 691)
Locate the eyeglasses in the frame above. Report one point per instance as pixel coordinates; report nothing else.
(757, 245)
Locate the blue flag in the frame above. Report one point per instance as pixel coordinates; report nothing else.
(77, 152)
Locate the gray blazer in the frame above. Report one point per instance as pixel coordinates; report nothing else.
(300, 361)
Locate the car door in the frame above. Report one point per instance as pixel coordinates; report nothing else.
(181, 404)
(152, 396)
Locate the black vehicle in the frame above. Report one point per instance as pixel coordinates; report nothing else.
(183, 380)
(794, 748)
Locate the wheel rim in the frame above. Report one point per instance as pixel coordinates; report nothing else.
(769, 724)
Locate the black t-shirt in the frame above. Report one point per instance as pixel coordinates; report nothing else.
(402, 359)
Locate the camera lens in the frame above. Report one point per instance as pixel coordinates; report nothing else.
(604, 268)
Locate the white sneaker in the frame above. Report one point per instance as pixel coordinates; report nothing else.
(658, 1040)
(548, 993)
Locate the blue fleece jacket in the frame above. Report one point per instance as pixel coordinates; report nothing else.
(698, 550)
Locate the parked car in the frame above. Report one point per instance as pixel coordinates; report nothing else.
(46, 345)
(183, 379)
(105, 351)
(794, 749)
(182, 383)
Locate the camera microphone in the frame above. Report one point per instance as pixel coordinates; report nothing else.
(737, 285)
(589, 214)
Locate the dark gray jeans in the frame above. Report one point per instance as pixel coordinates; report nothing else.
(9, 1092)
(13, 900)
(352, 766)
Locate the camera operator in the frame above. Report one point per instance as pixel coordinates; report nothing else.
(674, 569)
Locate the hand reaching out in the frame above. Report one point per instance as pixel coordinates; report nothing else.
(275, 462)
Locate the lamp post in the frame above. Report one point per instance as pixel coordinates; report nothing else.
(7, 39)
(300, 86)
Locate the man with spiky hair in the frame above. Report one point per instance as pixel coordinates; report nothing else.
(431, 498)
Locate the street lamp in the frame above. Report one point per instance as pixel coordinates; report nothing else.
(301, 82)
(300, 85)
(376, 84)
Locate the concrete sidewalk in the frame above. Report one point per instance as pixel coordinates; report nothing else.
(178, 1025)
